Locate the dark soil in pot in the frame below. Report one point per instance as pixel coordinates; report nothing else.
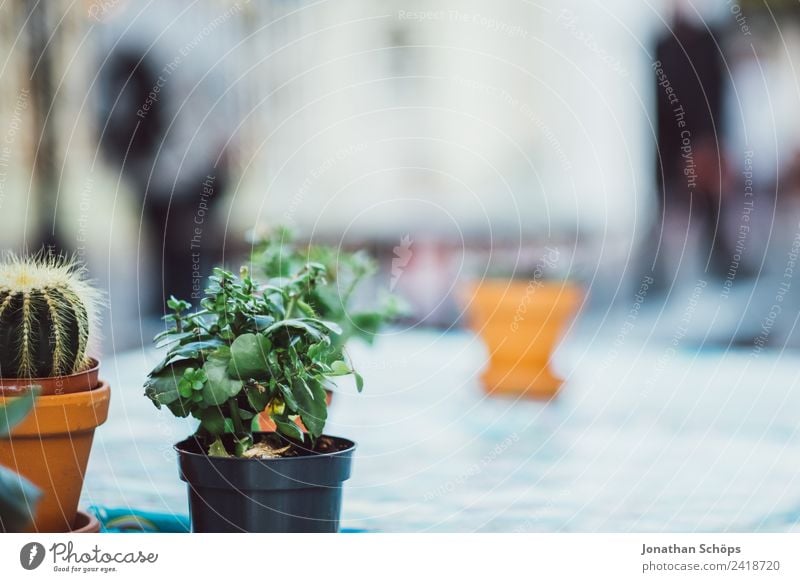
(298, 493)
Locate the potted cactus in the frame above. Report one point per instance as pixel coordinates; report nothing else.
(47, 319)
(254, 347)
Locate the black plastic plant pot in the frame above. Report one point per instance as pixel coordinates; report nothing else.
(287, 494)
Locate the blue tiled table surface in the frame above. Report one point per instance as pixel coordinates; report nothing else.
(640, 439)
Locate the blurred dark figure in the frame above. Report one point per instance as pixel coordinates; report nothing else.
(790, 176)
(129, 141)
(135, 138)
(690, 169)
(164, 125)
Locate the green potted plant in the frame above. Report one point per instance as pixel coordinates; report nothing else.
(47, 319)
(277, 254)
(253, 347)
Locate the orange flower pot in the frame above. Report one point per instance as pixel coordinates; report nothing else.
(521, 323)
(51, 449)
(80, 382)
(85, 522)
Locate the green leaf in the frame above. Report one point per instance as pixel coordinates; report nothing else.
(359, 381)
(217, 449)
(287, 427)
(212, 421)
(299, 324)
(170, 360)
(219, 387)
(186, 383)
(195, 349)
(249, 353)
(367, 323)
(275, 303)
(340, 368)
(288, 397)
(178, 305)
(169, 336)
(242, 443)
(185, 388)
(15, 410)
(222, 352)
(306, 309)
(312, 407)
(180, 408)
(257, 399)
(262, 322)
(329, 325)
(315, 350)
(162, 388)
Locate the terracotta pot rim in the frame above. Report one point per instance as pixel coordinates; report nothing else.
(519, 285)
(67, 399)
(60, 414)
(85, 522)
(563, 281)
(55, 385)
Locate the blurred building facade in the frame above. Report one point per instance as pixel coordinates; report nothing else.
(457, 124)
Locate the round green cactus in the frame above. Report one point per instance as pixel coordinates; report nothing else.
(47, 312)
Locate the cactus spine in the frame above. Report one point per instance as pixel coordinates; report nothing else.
(47, 314)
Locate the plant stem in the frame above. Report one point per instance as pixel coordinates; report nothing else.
(290, 307)
(238, 427)
(307, 310)
(350, 288)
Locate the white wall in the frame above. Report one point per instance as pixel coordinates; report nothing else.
(510, 117)
(501, 116)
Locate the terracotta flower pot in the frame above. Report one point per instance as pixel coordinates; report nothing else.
(521, 323)
(51, 449)
(85, 522)
(80, 382)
